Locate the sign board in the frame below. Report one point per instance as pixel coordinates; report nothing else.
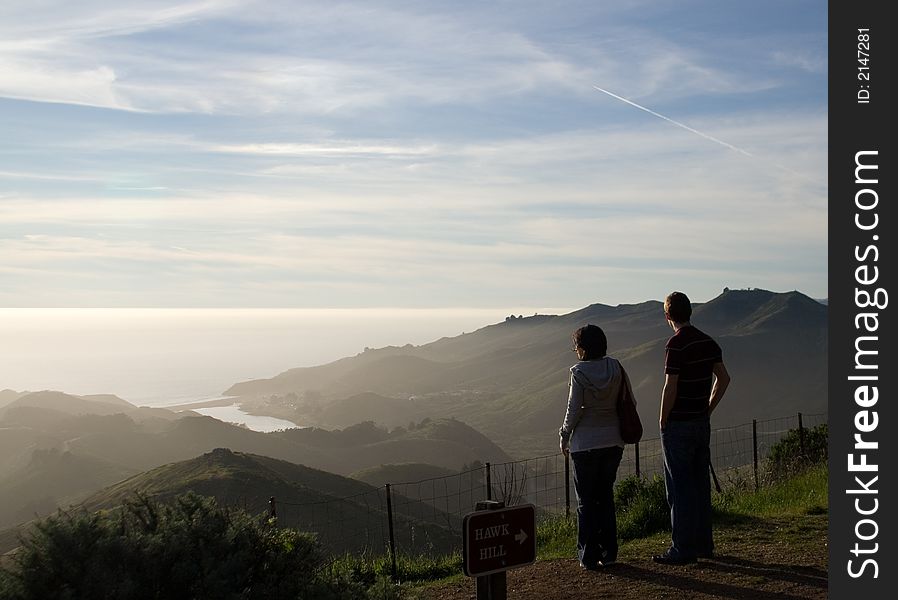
(498, 540)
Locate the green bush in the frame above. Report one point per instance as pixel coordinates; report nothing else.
(641, 506)
(786, 458)
(190, 548)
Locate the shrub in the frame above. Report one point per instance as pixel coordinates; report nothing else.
(786, 457)
(641, 506)
(190, 548)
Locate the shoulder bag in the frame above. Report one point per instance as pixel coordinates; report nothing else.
(630, 425)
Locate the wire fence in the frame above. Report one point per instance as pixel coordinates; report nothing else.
(425, 517)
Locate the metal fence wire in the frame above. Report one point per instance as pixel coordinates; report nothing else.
(425, 517)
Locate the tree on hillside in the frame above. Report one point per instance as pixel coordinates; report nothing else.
(191, 548)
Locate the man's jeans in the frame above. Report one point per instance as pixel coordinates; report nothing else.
(687, 459)
(594, 474)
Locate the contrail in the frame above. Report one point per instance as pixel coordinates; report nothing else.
(677, 123)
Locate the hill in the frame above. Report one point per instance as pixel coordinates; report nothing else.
(93, 404)
(9, 396)
(348, 515)
(94, 450)
(446, 443)
(53, 478)
(381, 474)
(440, 488)
(509, 380)
(97, 404)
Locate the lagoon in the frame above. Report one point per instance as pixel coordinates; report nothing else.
(233, 414)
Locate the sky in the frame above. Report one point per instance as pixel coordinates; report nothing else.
(224, 153)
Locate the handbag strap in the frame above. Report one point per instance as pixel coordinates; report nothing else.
(626, 392)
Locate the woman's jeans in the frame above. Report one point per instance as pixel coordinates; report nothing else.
(594, 474)
(687, 459)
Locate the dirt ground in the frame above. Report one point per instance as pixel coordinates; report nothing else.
(783, 559)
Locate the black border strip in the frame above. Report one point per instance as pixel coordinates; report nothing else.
(861, 100)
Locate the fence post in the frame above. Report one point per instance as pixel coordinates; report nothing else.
(801, 435)
(272, 508)
(567, 485)
(754, 438)
(392, 537)
(489, 481)
(636, 456)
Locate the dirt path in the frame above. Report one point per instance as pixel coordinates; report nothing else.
(774, 558)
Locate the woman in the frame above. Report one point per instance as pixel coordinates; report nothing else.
(591, 435)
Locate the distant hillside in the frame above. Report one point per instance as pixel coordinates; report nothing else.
(443, 489)
(510, 380)
(94, 404)
(382, 474)
(53, 478)
(17, 445)
(446, 443)
(99, 404)
(370, 407)
(89, 451)
(8, 396)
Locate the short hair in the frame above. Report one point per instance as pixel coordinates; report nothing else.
(677, 307)
(591, 339)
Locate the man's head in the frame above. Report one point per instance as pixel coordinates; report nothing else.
(677, 308)
(590, 342)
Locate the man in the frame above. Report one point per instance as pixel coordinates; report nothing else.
(694, 382)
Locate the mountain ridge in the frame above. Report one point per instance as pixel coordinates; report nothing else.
(101, 449)
(510, 379)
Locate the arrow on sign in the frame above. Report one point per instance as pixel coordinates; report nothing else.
(520, 537)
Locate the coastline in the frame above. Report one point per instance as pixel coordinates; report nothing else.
(214, 403)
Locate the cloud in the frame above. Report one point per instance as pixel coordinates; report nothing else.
(801, 59)
(331, 149)
(57, 20)
(371, 151)
(366, 271)
(345, 58)
(628, 170)
(88, 86)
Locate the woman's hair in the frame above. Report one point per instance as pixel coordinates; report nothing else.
(677, 307)
(591, 339)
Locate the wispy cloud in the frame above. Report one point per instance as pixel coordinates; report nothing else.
(58, 20)
(340, 58)
(801, 59)
(255, 154)
(335, 148)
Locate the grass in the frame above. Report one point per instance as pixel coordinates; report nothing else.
(556, 537)
(802, 494)
(368, 569)
(644, 514)
(643, 517)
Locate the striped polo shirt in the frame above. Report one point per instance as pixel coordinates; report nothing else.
(692, 355)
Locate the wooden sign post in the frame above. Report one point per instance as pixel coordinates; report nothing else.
(497, 539)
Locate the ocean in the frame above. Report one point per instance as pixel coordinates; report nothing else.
(165, 357)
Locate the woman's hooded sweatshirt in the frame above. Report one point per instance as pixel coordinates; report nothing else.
(591, 419)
